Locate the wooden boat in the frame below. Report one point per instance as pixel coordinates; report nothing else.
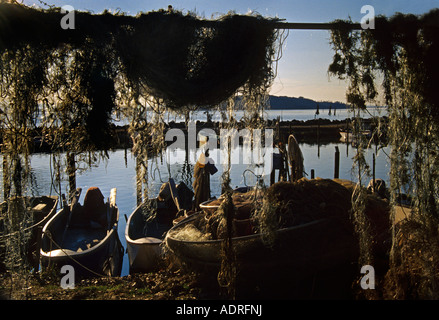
(145, 230)
(38, 211)
(147, 226)
(84, 236)
(300, 251)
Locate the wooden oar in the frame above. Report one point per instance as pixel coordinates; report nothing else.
(174, 193)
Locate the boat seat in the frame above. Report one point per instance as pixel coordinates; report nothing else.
(94, 207)
(39, 207)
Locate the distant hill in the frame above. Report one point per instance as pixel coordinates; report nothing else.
(302, 103)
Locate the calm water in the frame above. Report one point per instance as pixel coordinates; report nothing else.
(119, 172)
(285, 115)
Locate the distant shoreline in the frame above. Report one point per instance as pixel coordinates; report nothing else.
(301, 103)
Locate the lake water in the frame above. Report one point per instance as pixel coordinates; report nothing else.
(284, 115)
(119, 172)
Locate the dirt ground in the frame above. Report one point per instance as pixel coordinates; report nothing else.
(172, 284)
(161, 285)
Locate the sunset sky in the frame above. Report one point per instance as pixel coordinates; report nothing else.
(302, 71)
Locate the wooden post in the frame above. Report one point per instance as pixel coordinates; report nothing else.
(17, 175)
(336, 163)
(299, 25)
(317, 25)
(272, 176)
(318, 139)
(312, 173)
(278, 128)
(373, 173)
(71, 171)
(284, 163)
(138, 182)
(125, 156)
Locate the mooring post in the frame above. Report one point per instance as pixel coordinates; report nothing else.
(138, 182)
(272, 176)
(373, 172)
(17, 175)
(336, 163)
(71, 171)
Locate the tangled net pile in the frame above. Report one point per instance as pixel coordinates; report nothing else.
(283, 205)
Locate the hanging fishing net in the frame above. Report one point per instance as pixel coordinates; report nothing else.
(402, 51)
(67, 85)
(177, 58)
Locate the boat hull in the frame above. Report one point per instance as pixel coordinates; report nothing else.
(144, 239)
(301, 250)
(144, 256)
(42, 209)
(62, 246)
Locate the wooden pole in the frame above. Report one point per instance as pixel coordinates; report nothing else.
(316, 26)
(71, 171)
(318, 138)
(272, 176)
(337, 163)
(298, 25)
(373, 173)
(138, 181)
(17, 175)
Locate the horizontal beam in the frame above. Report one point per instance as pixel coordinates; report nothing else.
(316, 26)
(298, 25)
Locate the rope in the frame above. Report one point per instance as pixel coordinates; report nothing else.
(158, 170)
(49, 235)
(259, 185)
(21, 230)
